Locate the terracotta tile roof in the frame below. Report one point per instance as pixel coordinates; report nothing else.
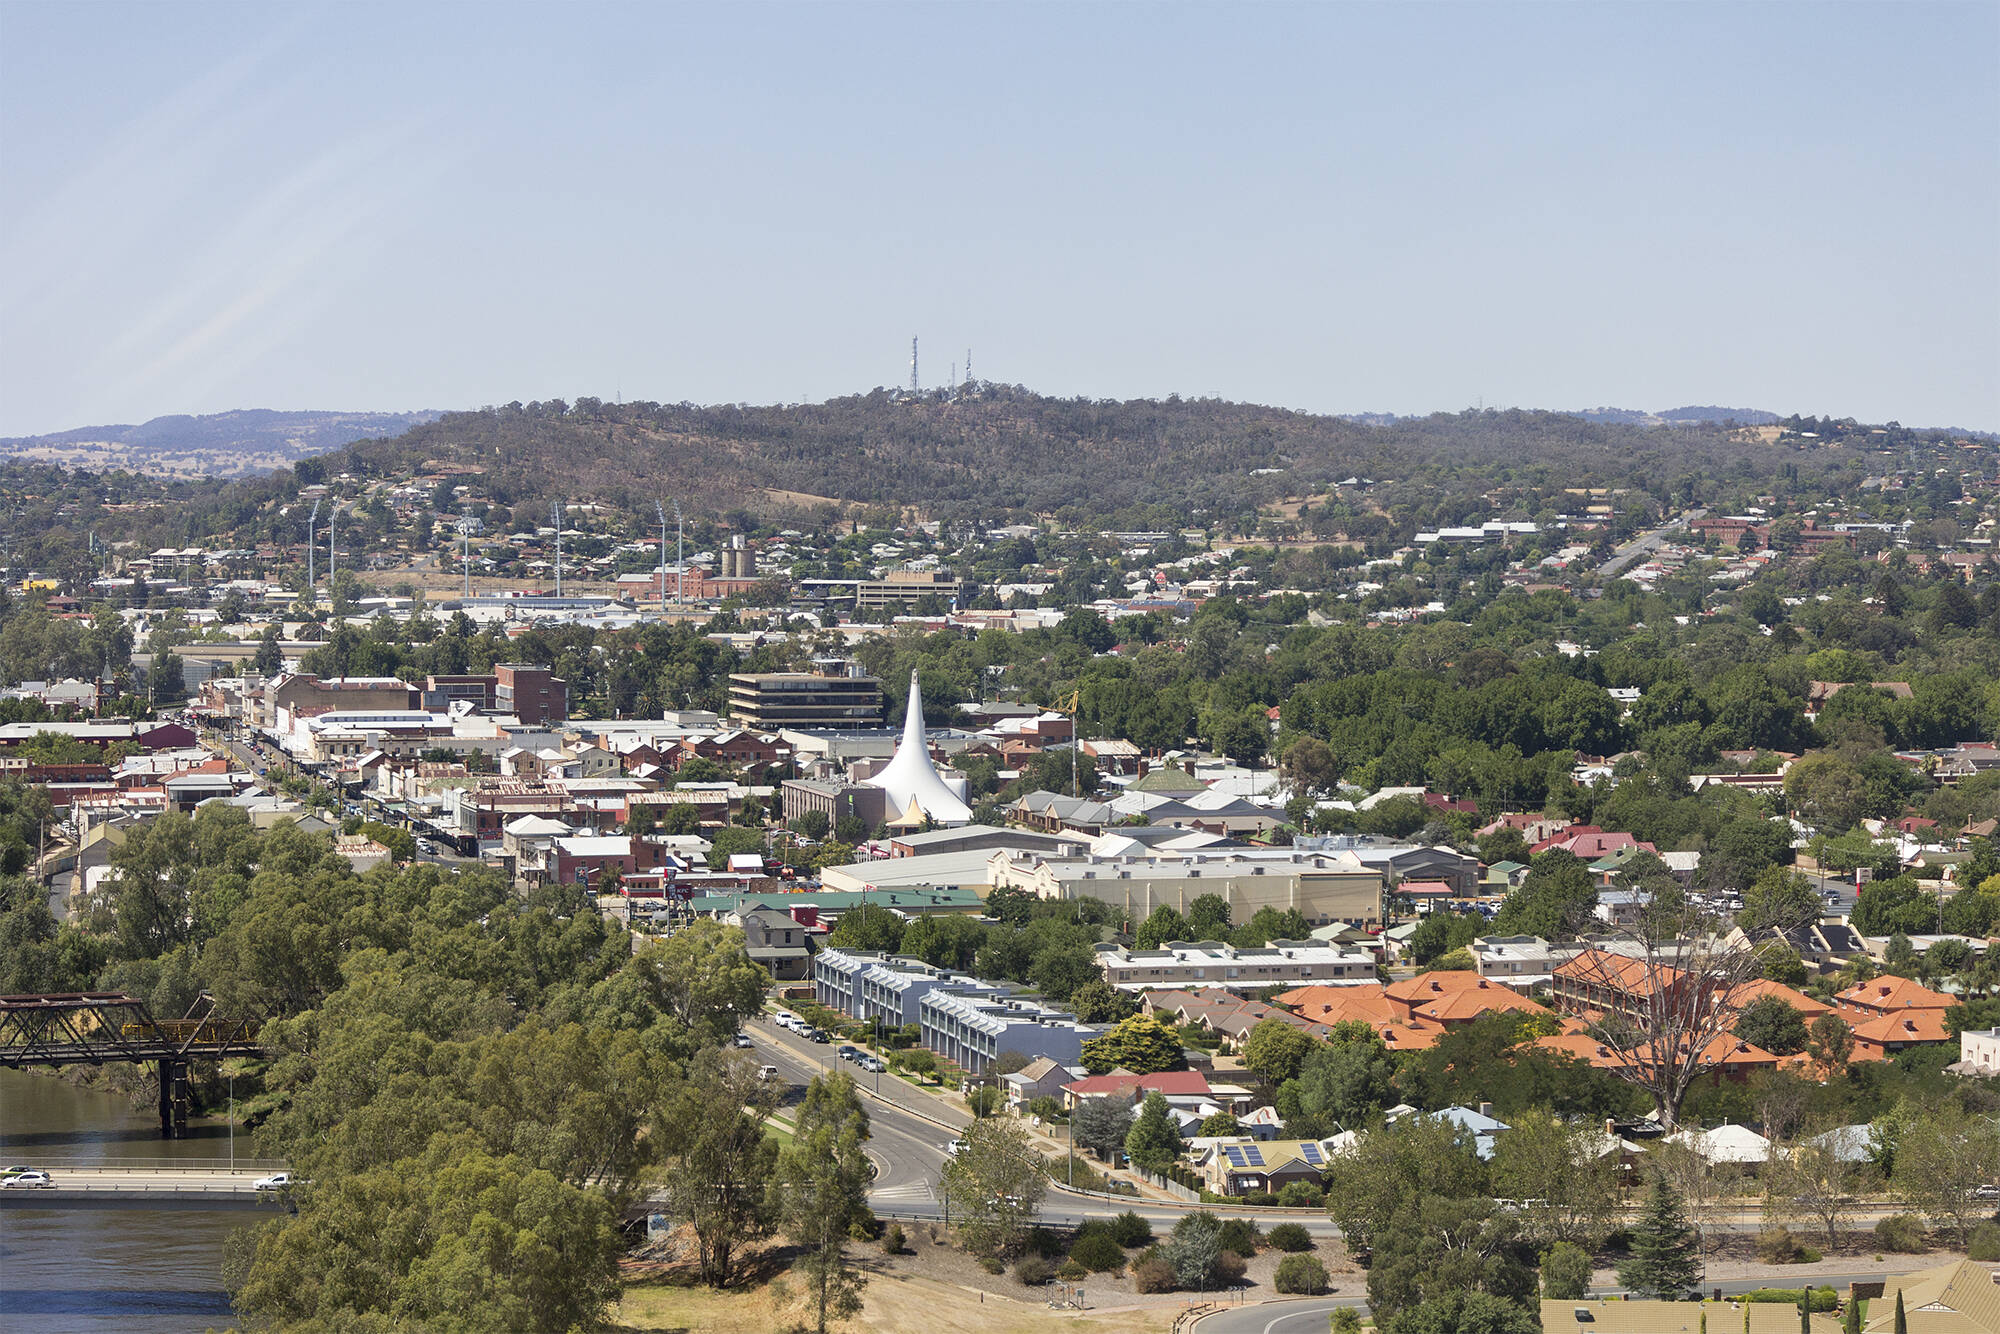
(1885, 994)
(1333, 1005)
(1744, 993)
(1600, 968)
(1460, 1007)
(1426, 986)
(1909, 1026)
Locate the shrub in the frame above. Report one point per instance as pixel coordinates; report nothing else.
(1777, 1246)
(1153, 1276)
(992, 1264)
(1033, 1271)
(1565, 1272)
(1301, 1275)
(1289, 1237)
(1239, 1235)
(1040, 1241)
(1984, 1246)
(1069, 1271)
(1132, 1230)
(1301, 1195)
(1346, 1320)
(1228, 1269)
(893, 1240)
(1901, 1232)
(1823, 1299)
(1098, 1252)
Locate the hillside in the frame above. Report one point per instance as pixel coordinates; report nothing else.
(1002, 450)
(223, 444)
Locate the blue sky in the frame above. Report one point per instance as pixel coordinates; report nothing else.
(1387, 207)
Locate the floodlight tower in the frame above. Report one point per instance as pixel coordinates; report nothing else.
(311, 570)
(661, 511)
(680, 555)
(557, 510)
(465, 549)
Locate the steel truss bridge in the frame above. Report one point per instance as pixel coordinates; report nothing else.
(99, 1027)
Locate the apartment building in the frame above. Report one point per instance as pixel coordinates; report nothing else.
(1214, 964)
(1323, 886)
(971, 1024)
(768, 701)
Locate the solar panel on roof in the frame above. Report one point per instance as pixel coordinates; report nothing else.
(1253, 1156)
(1235, 1157)
(1311, 1153)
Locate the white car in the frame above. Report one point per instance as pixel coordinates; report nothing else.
(957, 1146)
(872, 1064)
(276, 1181)
(29, 1181)
(767, 1073)
(743, 1040)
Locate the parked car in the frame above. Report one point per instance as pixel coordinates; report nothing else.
(28, 1181)
(817, 1034)
(848, 1052)
(872, 1064)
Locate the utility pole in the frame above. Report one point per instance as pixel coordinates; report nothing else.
(680, 556)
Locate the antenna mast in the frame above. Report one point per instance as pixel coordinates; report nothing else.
(312, 574)
(968, 366)
(913, 365)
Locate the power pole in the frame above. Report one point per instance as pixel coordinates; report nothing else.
(680, 556)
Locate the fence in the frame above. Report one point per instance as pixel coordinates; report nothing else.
(1174, 1188)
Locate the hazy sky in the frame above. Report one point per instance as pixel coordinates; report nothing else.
(1387, 207)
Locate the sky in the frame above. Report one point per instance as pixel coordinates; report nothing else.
(1391, 207)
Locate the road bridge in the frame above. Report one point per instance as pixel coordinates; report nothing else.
(101, 1027)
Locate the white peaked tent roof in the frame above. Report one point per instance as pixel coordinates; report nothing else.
(911, 778)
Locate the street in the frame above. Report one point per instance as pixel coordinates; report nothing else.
(1645, 542)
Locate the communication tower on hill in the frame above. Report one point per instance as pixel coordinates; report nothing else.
(913, 365)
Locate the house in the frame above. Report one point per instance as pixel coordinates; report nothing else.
(1956, 1298)
(1725, 1054)
(1889, 995)
(1247, 967)
(1480, 1125)
(1240, 1165)
(1520, 961)
(1881, 1037)
(1979, 1051)
(1725, 1144)
(1642, 1316)
(1452, 998)
(1039, 1078)
(1744, 994)
(777, 940)
(1598, 981)
(1123, 1084)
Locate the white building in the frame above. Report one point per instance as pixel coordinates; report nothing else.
(1211, 963)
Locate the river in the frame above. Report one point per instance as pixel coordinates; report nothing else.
(100, 1271)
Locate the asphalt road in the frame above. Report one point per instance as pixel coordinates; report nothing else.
(909, 1152)
(1296, 1315)
(1645, 542)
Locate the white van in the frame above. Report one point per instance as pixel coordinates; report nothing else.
(767, 1073)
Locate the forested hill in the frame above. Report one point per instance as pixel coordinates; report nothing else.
(999, 448)
(221, 444)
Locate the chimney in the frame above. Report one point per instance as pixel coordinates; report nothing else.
(1486, 1110)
